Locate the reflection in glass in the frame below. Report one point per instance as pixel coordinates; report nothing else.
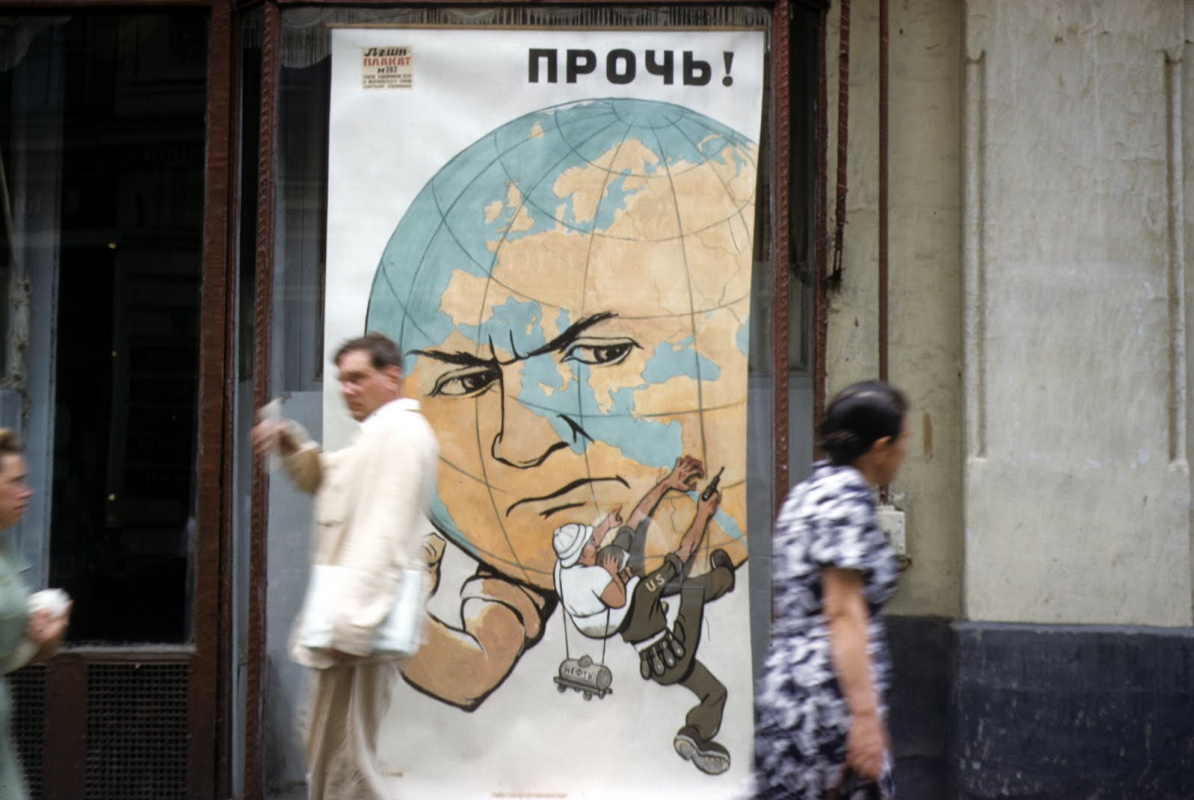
(107, 135)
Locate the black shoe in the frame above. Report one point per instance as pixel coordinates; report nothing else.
(705, 754)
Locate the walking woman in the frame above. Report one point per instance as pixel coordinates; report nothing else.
(23, 636)
(820, 717)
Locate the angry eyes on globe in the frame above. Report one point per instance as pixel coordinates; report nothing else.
(599, 352)
(468, 382)
(473, 381)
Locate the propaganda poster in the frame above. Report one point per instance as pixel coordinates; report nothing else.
(558, 229)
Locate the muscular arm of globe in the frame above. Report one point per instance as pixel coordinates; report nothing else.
(499, 620)
(462, 667)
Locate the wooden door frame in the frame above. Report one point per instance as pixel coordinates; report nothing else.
(212, 665)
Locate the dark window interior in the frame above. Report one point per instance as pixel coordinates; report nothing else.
(132, 125)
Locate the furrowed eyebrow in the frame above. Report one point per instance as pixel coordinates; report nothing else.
(458, 357)
(571, 333)
(566, 338)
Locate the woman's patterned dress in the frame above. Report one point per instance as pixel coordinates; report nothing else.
(801, 717)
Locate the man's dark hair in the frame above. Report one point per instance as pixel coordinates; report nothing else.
(858, 417)
(381, 349)
(10, 443)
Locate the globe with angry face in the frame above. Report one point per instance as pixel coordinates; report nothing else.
(572, 296)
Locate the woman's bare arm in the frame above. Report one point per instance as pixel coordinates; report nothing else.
(846, 611)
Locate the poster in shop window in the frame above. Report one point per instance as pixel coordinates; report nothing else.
(558, 228)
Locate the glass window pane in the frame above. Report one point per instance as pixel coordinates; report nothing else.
(106, 135)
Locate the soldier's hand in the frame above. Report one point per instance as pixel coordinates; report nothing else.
(685, 473)
(707, 508)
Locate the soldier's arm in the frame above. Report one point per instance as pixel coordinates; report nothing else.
(499, 621)
(646, 506)
(696, 531)
(683, 475)
(614, 594)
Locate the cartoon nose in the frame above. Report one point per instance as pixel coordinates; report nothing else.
(526, 438)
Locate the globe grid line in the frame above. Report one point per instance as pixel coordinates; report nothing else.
(753, 194)
(704, 543)
(573, 227)
(606, 179)
(733, 137)
(576, 228)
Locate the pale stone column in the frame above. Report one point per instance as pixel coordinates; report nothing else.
(1075, 224)
(1184, 71)
(925, 282)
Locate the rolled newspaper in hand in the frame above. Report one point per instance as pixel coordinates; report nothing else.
(54, 601)
(272, 411)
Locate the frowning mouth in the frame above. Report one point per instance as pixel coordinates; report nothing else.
(561, 492)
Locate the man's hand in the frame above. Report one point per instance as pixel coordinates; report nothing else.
(707, 508)
(610, 563)
(685, 474)
(266, 436)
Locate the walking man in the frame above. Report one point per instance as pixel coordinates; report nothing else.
(370, 511)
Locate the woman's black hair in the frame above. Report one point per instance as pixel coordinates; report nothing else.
(860, 415)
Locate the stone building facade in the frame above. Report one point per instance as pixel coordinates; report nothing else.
(1040, 218)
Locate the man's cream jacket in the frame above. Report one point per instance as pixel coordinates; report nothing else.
(371, 502)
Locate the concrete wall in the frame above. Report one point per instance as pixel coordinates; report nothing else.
(1077, 486)
(925, 287)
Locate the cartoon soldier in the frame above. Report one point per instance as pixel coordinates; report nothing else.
(606, 598)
